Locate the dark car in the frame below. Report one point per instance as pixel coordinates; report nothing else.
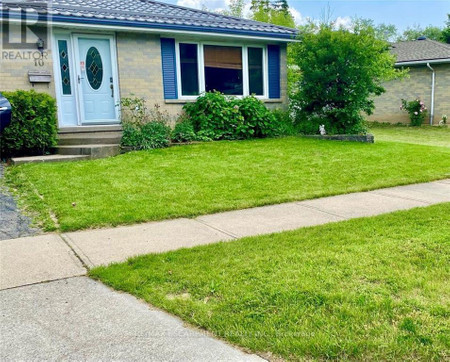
(5, 113)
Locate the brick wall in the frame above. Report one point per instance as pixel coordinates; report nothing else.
(15, 64)
(139, 62)
(417, 85)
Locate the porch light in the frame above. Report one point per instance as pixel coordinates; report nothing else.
(40, 45)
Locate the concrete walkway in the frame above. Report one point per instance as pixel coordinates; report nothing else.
(73, 317)
(49, 257)
(78, 319)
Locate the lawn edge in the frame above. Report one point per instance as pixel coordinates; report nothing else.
(28, 199)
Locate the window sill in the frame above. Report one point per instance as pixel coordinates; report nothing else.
(184, 101)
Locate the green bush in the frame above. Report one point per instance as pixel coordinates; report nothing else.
(33, 129)
(183, 131)
(147, 136)
(216, 116)
(144, 128)
(213, 116)
(284, 124)
(341, 72)
(256, 120)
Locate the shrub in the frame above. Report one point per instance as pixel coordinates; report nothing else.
(33, 128)
(216, 116)
(213, 116)
(183, 130)
(284, 124)
(341, 71)
(147, 136)
(144, 128)
(255, 121)
(416, 110)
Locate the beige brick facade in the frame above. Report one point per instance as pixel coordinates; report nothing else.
(140, 71)
(16, 63)
(139, 68)
(418, 84)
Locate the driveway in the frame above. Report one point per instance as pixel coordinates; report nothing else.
(13, 224)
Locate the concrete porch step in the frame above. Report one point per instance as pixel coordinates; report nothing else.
(89, 129)
(92, 150)
(48, 158)
(109, 138)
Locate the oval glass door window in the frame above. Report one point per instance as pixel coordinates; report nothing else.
(94, 68)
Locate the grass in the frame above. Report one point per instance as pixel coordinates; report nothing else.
(425, 135)
(370, 288)
(204, 178)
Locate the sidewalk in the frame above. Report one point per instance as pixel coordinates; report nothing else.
(79, 319)
(73, 317)
(49, 257)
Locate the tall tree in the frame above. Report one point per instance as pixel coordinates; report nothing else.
(276, 12)
(416, 31)
(446, 31)
(235, 8)
(281, 5)
(387, 32)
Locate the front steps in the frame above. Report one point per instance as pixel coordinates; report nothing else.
(47, 158)
(93, 151)
(81, 143)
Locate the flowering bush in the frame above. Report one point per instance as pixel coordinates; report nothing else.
(144, 128)
(416, 110)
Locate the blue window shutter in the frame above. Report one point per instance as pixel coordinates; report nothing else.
(169, 68)
(274, 71)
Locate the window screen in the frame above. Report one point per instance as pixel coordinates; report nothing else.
(189, 69)
(255, 71)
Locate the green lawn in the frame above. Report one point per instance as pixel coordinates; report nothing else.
(210, 177)
(425, 135)
(371, 288)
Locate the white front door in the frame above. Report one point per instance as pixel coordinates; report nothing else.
(93, 95)
(96, 81)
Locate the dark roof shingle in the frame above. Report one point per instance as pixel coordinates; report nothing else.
(148, 13)
(420, 50)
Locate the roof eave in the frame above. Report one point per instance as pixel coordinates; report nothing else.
(423, 62)
(114, 24)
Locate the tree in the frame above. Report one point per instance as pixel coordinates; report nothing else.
(281, 5)
(235, 8)
(387, 32)
(431, 32)
(341, 71)
(272, 12)
(446, 31)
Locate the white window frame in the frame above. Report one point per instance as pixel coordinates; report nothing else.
(201, 67)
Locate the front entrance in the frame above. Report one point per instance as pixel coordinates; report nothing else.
(86, 80)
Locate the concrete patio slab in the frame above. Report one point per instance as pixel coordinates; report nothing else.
(361, 204)
(104, 246)
(36, 259)
(267, 219)
(79, 319)
(433, 192)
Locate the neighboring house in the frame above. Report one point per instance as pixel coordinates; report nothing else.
(99, 51)
(429, 79)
